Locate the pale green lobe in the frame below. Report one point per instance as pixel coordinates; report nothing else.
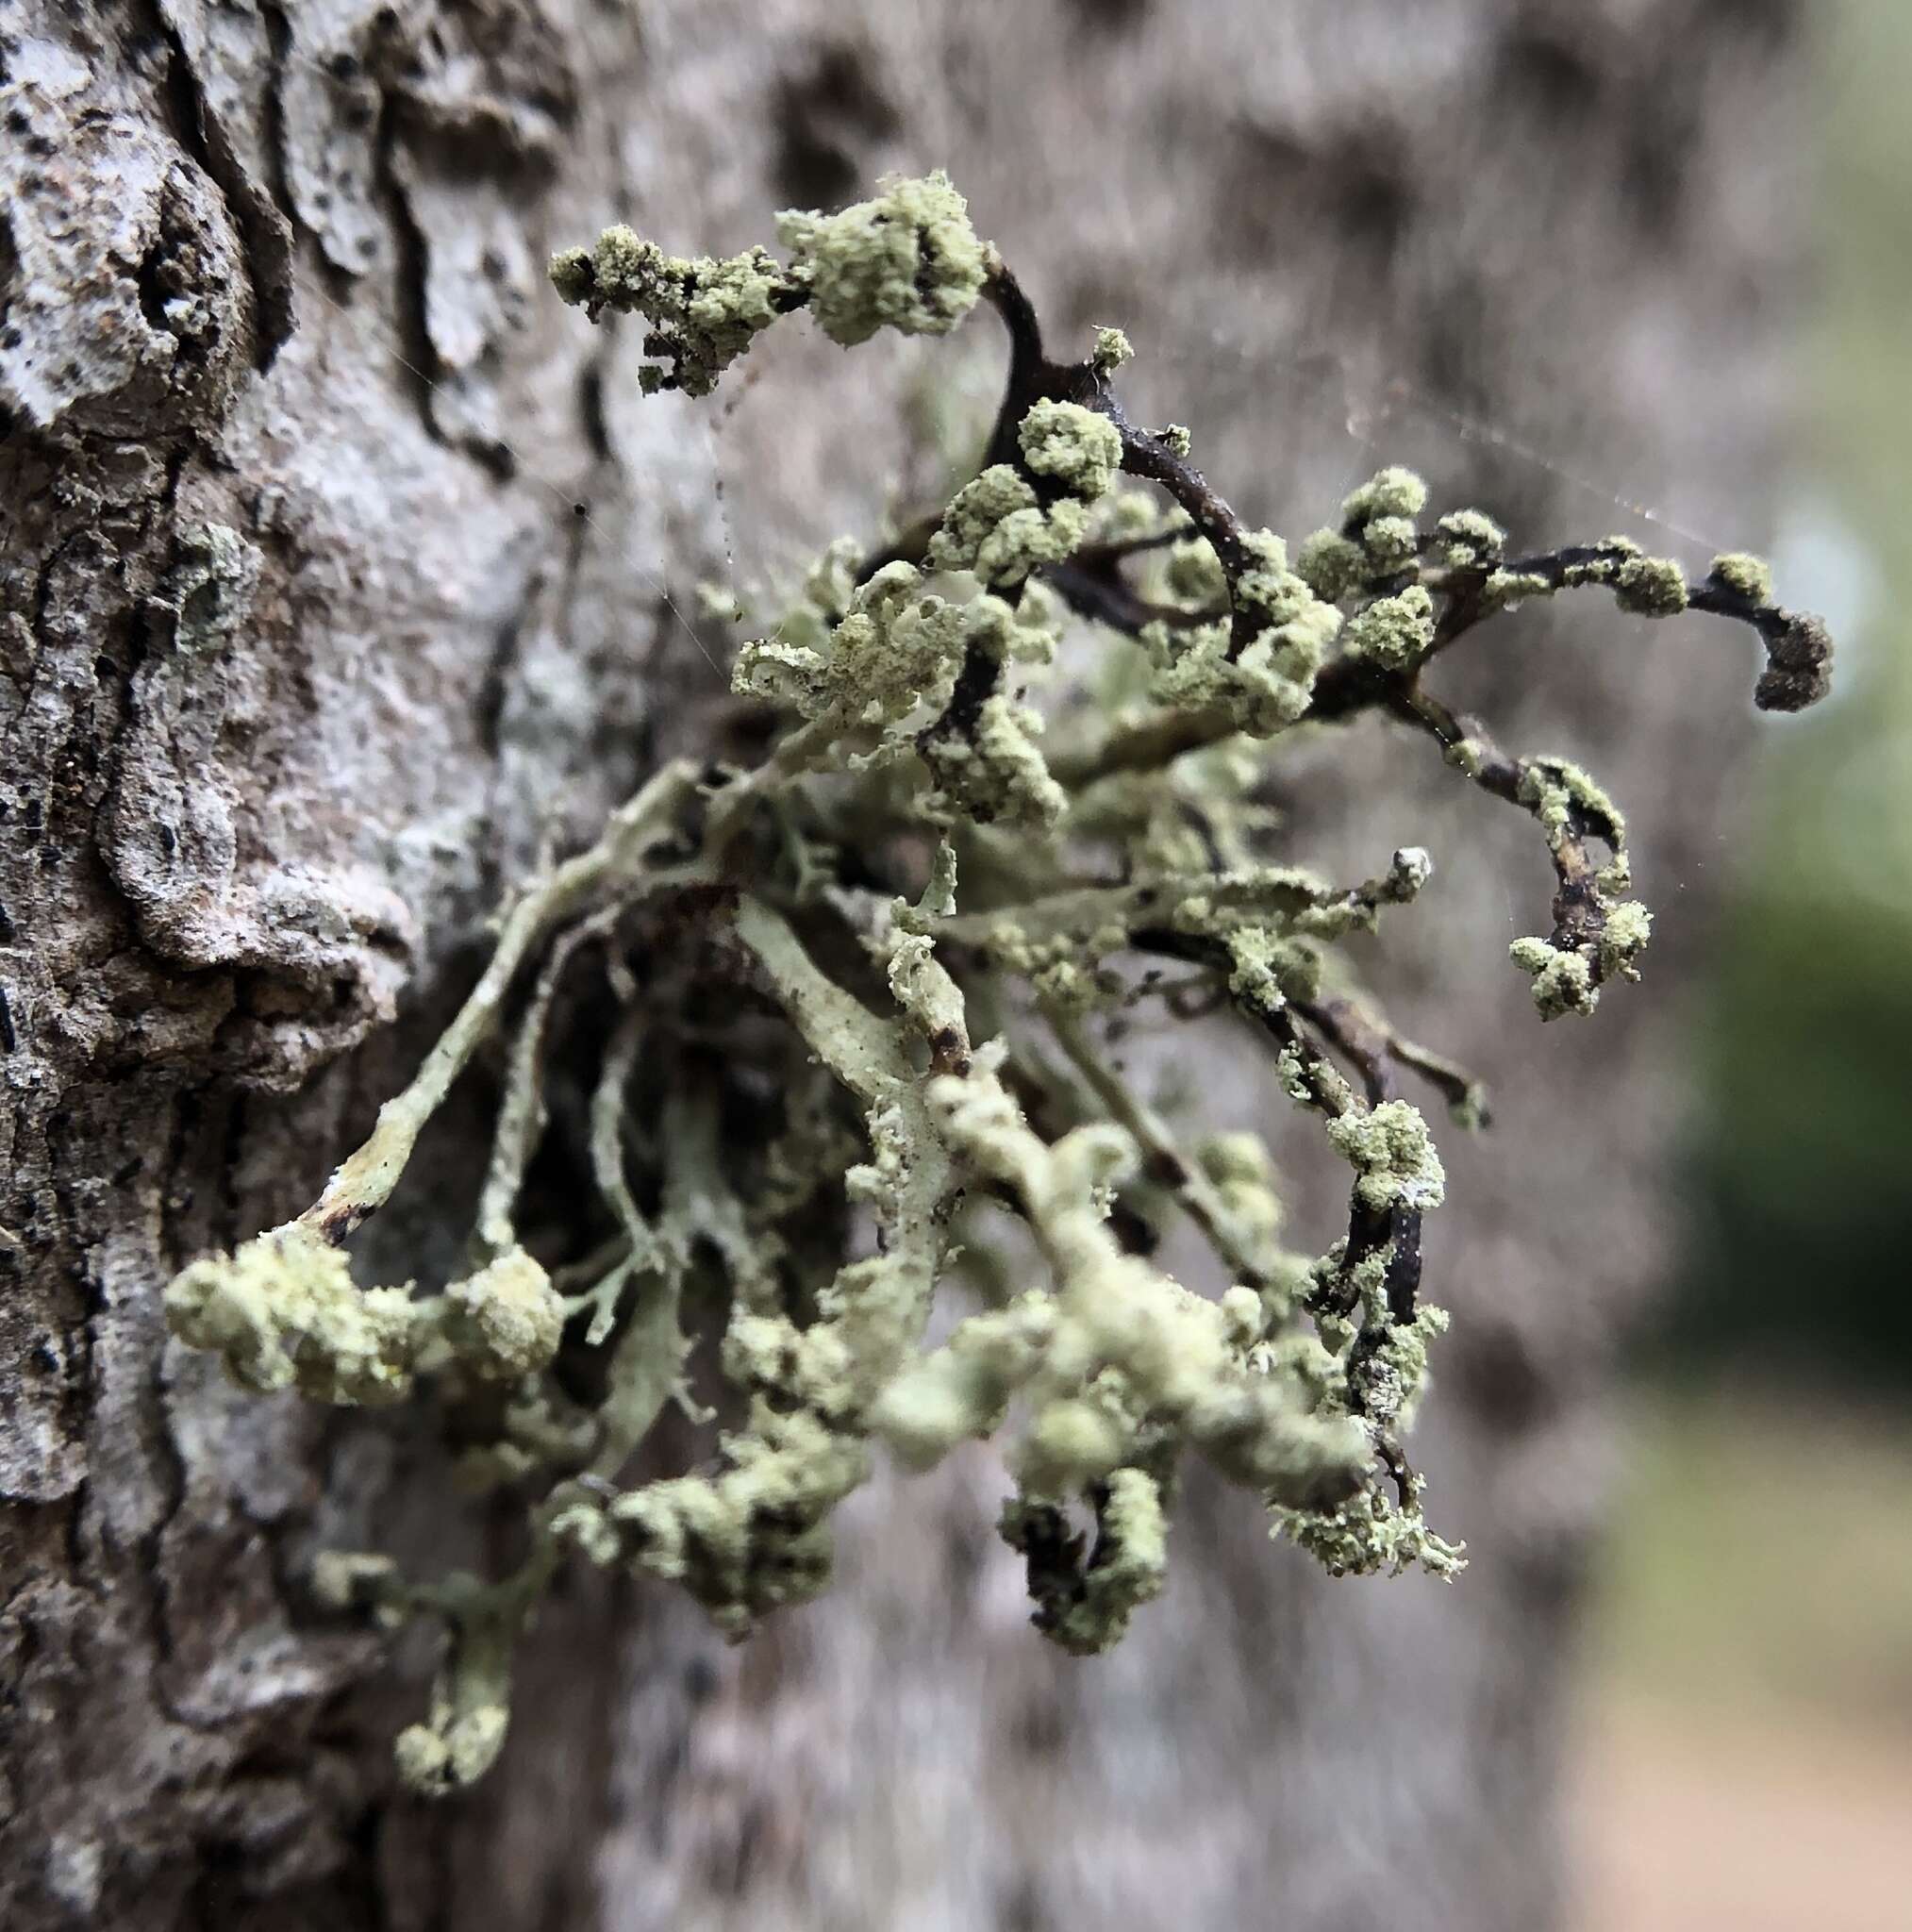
(283, 1310)
(1071, 445)
(1112, 349)
(1394, 633)
(909, 260)
(1391, 493)
(1746, 576)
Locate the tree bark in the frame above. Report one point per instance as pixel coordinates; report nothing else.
(342, 574)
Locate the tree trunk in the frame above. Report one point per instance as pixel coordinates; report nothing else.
(309, 652)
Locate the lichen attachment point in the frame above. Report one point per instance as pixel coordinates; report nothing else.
(838, 1008)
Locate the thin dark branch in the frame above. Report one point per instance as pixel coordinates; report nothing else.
(1095, 588)
(1351, 1034)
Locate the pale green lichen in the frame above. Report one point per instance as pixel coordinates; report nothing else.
(1071, 445)
(1390, 492)
(1397, 1373)
(505, 1321)
(1470, 539)
(995, 771)
(1332, 565)
(1746, 576)
(1506, 589)
(430, 1761)
(1651, 587)
(211, 586)
(1265, 686)
(1111, 1315)
(1394, 633)
(895, 646)
(996, 528)
(752, 1538)
(1193, 575)
(1367, 1535)
(1391, 1149)
(909, 260)
(1085, 1600)
(283, 1311)
(1558, 791)
(704, 313)
(1623, 939)
(1391, 543)
(1646, 586)
(810, 1069)
(1563, 981)
(1112, 349)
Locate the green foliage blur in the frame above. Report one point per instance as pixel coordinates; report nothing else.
(1801, 1195)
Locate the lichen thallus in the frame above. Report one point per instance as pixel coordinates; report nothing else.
(934, 896)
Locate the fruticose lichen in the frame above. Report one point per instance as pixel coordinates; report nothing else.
(862, 995)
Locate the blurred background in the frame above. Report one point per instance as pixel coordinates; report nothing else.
(1744, 1754)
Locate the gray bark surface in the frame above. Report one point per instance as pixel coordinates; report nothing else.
(305, 654)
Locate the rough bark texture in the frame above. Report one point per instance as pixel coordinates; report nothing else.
(276, 268)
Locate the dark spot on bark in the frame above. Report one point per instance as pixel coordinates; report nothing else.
(1455, 344)
(1544, 76)
(1110, 17)
(1260, 184)
(1036, 1728)
(827, 117)
(1021, 1909)
(1774, 23)
(10, 265)
(591, 407)
(1498, 1379)
(1357, 187)
(1657, 164)
(1372, 201)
